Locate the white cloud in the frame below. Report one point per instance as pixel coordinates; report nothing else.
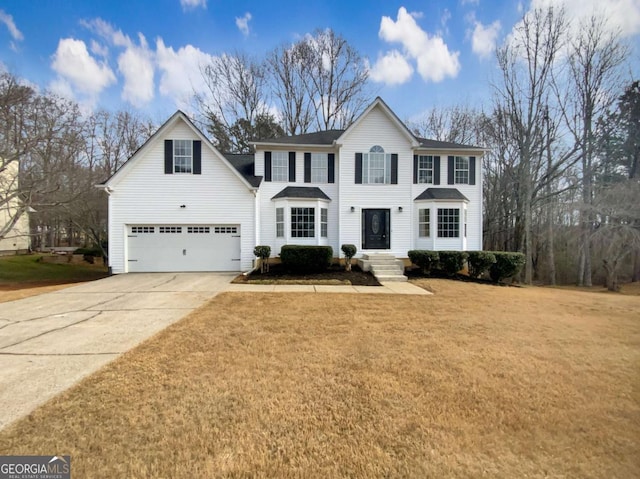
(180, 70)
(136, 66)
(75, 66)
(135, 63)
(434, 60)
(470, 2)
(243, 23)
(484, 38)
(11, 26)
(619, 14)
(193, 4)
(391, 69)
(99, 49)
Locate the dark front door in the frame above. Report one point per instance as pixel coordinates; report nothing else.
(375, 229)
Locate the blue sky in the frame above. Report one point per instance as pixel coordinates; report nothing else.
(144, 55)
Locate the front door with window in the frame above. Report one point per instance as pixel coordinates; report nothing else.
(375, 229)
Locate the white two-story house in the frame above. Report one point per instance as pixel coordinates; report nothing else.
(180, 205)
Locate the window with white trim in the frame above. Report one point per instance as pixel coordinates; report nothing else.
(461, 170)
(225, 230)
(425, 169)
(142, 229)
(170, 229)
(319, 167)
(376, 166)
(198, 229)
(182, 156)
(448, 222)
(279, 222)
(280, 166)
(303, 222)
(424, 216)
(324, 222)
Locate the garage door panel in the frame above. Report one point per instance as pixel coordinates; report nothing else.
(157, 248)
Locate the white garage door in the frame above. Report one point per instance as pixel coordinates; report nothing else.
(157, 248)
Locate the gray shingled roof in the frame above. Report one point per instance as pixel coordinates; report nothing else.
(317, 138)
(306, 192)
(441, 194)
(245, 165)
(445, 145)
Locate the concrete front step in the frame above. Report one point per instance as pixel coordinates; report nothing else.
(383, 278)
(384, 266)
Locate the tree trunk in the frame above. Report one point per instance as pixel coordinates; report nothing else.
(612, 275)
(635, 276)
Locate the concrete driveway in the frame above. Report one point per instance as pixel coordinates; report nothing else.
(50, 342)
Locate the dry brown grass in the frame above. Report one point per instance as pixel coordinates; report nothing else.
(13, 294)
(475, 381)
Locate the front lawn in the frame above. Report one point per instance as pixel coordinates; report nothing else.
(24, 271)
(474, 381)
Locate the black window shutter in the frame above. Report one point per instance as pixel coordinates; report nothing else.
(332, 168)
(267, 166)
(450, 172)
(415, 169)
(472, 170)
(394, 168)
(436, 170)
(307, 167)
(168, 157)
(358, 168)
(292, 166)
(197, 157)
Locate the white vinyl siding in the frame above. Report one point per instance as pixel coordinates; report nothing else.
(144, 195)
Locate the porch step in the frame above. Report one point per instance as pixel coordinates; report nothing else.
(384, 266)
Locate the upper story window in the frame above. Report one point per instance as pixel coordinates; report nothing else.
(461, 170)
(425, 169)
(376, 166)
(319, 167)
(182, 156)
(280, 166)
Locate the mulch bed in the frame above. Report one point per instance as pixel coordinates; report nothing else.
(356, 276)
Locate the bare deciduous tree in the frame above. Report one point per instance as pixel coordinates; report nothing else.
(594, 57)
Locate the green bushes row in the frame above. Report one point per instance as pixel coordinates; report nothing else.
(500, 264)
(306, 258)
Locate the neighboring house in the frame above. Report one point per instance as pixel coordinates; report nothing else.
(16, 239)
(180, 205)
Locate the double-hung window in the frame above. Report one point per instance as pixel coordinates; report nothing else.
(279, 222)
(319, 167)
(425, 169)
(424, 222)
(461, 170)
(182, 156)
(324, 222)
(280, 166)
(448, 222)
(376, 166)
(303, 222)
